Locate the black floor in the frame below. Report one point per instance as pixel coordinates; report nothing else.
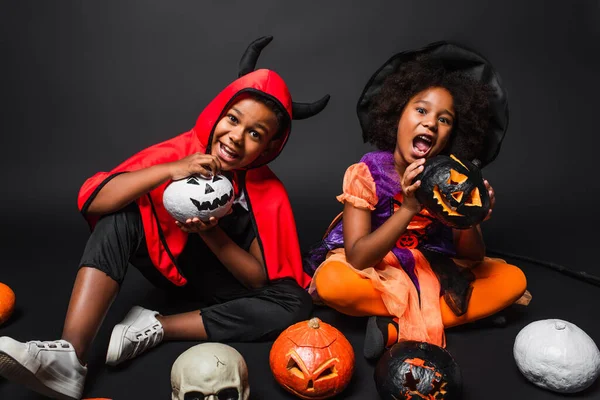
(42, 276)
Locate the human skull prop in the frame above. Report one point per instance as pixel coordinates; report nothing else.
(210, 371)
(196, 196)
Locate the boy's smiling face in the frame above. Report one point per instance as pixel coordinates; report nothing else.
(244, 133)
(424, 127)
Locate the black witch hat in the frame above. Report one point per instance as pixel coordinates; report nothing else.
(248, 64)
(453, 57)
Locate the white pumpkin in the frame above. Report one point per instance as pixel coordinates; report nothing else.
(196, 196)
(557, 355)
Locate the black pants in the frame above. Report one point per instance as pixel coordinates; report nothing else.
(231, 312)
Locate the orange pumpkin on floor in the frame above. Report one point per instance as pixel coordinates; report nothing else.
(7, 302)
(312, 360)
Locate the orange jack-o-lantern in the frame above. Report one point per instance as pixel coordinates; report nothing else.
(312, 360)
(7, 302)
(453, 191)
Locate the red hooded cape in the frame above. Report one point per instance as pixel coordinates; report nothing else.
(267, 198)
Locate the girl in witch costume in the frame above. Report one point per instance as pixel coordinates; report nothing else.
(247, 266)
(442, 99)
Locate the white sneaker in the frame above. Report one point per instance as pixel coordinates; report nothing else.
(138, 332)
(49, 368)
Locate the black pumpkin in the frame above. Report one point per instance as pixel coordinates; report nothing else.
(453, 191)
(417, 370)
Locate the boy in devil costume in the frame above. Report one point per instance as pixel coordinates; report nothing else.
(247, 266)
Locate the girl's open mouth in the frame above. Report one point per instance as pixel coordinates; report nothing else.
(421, 145)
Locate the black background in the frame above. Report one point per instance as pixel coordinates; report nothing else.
(84, 85)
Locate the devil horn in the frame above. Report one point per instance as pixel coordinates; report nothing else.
(307, 110)
(248, 61)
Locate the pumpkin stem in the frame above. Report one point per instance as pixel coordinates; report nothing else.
(314, 323)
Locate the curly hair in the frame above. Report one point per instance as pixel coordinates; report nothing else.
(471, 105)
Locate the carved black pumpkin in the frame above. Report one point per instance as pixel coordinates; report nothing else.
(453, 191)
(417, 370)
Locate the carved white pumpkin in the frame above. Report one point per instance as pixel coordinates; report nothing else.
(557, 355)
(196, 196)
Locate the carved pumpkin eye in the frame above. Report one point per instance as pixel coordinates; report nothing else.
(208, 189)
(474, 198)
(456, 178)
(327, 373)
(294, 368)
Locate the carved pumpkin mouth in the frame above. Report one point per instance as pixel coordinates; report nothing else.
(440, 198)
(474, 200)
(305, 395)
(325, 372)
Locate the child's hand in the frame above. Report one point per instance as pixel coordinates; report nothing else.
(194, 164)
(196, 225)
(408, 190)
(492, 195)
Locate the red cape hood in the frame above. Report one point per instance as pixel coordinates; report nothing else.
(267, 198)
